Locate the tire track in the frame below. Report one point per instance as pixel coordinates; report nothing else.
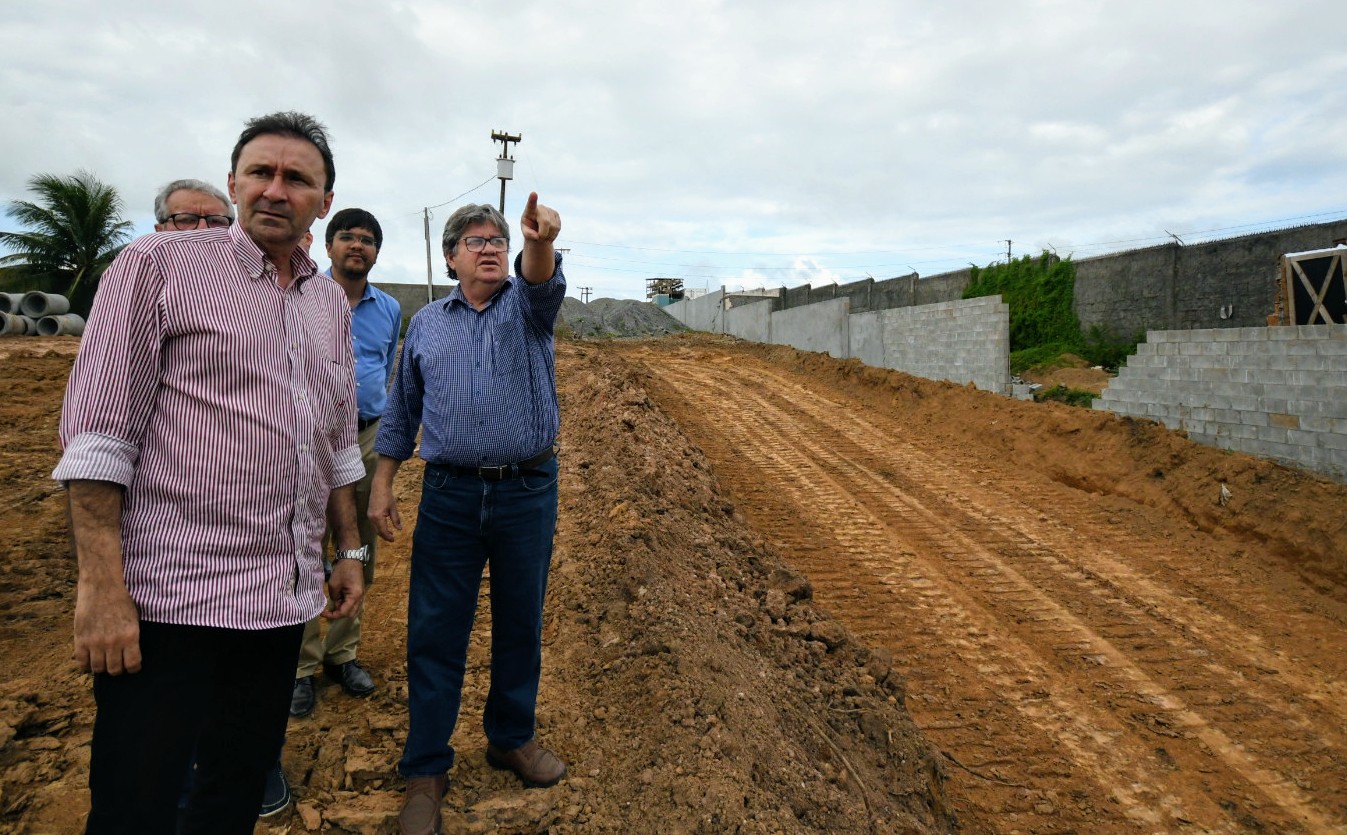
(1047, 668)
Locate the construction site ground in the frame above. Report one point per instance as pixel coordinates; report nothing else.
(795, 594)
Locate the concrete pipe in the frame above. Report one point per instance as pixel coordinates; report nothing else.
(64, 324)
(10, 302)
(12, 325)
(37, 304)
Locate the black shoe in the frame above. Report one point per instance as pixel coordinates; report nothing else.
(352, 677)
(303, 699)
(276, 796)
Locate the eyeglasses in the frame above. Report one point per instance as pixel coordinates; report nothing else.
(365, 240)
(478, 244)
(182, 221)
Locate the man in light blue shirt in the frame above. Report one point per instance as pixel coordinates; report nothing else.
(477, 377)
(354, 238)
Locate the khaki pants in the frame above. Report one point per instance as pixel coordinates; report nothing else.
(342, 640)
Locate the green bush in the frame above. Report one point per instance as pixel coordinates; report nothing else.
(1041, 294)
(1069, 396)
(1102, 348)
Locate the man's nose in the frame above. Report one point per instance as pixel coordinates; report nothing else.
(275, 190)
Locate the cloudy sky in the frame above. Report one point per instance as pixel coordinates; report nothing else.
(737, 144)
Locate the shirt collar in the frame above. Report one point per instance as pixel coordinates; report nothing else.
(456, 294)
(255, 261)
(369, 285)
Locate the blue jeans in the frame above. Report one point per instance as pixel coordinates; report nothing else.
(465, 524)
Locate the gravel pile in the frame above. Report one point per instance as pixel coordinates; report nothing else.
(606, 318)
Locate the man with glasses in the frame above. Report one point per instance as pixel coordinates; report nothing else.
(477, 378)
(208, 432)
(354, 239)
(191, 204)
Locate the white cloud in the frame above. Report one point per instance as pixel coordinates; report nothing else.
(777, 142)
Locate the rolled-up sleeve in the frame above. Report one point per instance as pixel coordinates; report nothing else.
(111, 392)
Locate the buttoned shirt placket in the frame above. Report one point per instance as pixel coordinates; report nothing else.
(295, 352)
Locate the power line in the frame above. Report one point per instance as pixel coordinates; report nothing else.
(459, 197)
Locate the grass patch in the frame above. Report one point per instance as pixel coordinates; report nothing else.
(1071, 397)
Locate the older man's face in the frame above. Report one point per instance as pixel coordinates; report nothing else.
(480, 274)
(199, 203)
(278, 187)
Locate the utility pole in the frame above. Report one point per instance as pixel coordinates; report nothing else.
(1008, 243)
(504, 162)
(584, 294)
(430, 288)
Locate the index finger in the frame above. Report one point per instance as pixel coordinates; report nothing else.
(531, 207)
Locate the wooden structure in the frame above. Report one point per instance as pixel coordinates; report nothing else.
(1312, 289)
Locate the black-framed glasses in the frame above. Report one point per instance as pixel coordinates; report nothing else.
(183, 221)
(365, 240)
(476, 243)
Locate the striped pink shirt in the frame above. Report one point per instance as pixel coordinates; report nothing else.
(226, 407)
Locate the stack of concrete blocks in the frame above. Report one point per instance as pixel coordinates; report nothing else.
(1274, 392)
(964, 342)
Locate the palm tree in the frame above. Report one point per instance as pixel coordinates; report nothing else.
(73, 231)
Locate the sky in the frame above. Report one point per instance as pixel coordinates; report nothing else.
(759, 143)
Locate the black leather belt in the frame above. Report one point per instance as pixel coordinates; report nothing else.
(361, 424)
(501, 472)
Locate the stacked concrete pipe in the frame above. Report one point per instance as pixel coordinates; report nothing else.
(15, 325)
(10, 302)
(62, 324)
(36, 304)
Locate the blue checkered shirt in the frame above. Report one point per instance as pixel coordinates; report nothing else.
(480, 385)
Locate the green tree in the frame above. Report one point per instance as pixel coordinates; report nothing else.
(73, 230)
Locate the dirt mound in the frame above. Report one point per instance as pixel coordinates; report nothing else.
(765, 559)
(615, 318)
(1069, 371)
(688, 678)
(1102, 626)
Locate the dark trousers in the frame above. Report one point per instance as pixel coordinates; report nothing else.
(463, 525)
(224, 693)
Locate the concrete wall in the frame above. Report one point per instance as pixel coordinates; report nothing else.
(1278, 393)
(867, 337)
(750, 321)
(1222, 284)
(412, 297)
(819, 327)
(869, 294)
(703, 313)
(963, 342)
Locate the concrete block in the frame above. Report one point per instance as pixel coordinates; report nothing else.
(1272, 435)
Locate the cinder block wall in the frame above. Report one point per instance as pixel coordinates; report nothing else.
(1278, 392)
(964, 342)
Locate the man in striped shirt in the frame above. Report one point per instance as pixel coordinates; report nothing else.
(477, 377)
(208, 431)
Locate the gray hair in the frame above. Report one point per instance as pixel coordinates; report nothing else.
(466, 216)
(161, 199)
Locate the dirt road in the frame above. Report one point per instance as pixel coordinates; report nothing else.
(796, 595)
(1086, 662)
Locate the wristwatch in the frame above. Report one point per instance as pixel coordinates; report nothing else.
(360, 555)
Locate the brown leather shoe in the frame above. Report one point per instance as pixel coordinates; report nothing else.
(421, 807)
(535, 765)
